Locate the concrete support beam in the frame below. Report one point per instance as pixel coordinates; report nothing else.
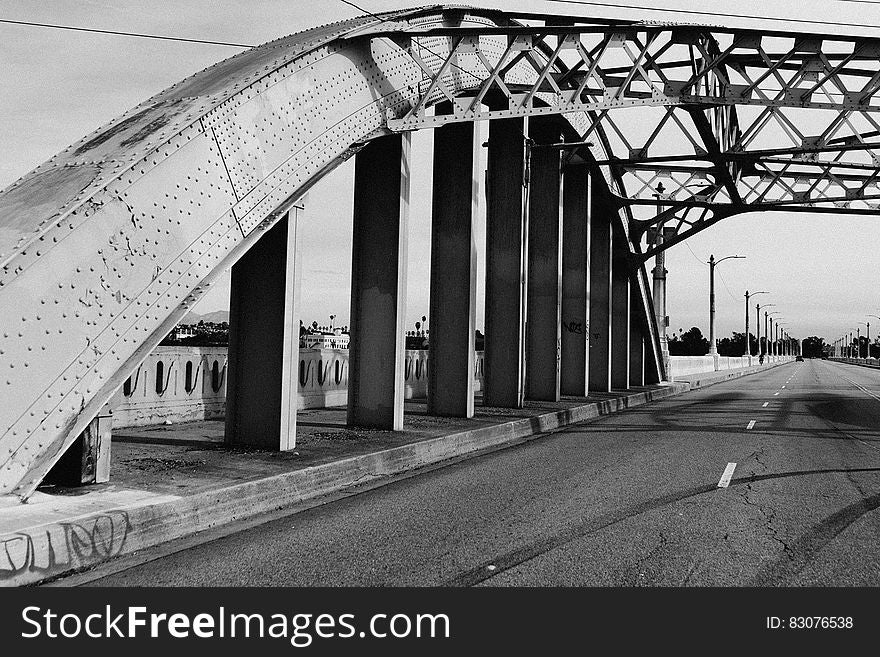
(574, 375)
(263, 368)
(636, 338)
(620, 312)
(378, 284)
(453, 272)
(602, 213)
(505, 265)
(544, 296)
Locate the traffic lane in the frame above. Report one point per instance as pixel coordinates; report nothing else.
(804, 494)
(433, 528)
(844, 544)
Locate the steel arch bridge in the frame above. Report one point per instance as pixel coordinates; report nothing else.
(105, 247)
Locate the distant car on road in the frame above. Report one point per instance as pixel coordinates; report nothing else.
(799, 358)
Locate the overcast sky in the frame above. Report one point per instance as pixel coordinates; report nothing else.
(821, 271)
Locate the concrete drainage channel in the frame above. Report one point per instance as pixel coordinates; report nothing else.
(48, 550)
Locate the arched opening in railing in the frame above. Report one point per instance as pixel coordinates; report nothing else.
(215, 377)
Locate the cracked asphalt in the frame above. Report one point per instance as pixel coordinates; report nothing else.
(630, 499)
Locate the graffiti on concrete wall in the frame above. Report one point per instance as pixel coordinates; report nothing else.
(63, 546)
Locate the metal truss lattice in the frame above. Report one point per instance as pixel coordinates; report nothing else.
(727, 120)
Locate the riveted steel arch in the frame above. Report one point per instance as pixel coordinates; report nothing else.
(105, 247)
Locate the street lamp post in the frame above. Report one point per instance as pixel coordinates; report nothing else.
(748, 345)
(859, 339)
(764, 351)
(774, 347)
(869, 334)
(659, 273)
(713, 348)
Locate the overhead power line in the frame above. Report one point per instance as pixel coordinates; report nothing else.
(723, 282)
(127, 34)
(702, 262)
(696, 12)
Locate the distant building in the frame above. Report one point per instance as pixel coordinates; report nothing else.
(325, 339)
(182, 331)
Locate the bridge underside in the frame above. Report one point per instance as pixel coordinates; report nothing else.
(106, 246)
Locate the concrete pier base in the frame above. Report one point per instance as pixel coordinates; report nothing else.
(263, 368)
(544, 297)
(574, 369)
(600, 292)
(505, 265)
(453, 272)
(378, 284)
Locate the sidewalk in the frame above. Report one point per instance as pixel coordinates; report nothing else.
(174, 481)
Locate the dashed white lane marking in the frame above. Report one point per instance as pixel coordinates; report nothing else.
(765, 405)
(724, 482)
(751, 424)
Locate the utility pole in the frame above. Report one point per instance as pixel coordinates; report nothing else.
(713, 348)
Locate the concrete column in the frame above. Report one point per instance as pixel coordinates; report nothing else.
(263, 368)
(378, 284)
(505, 265)
(636, 339)
(544, 297)
(620, 312)
(600, 290)
(453, 272)
(574, 374)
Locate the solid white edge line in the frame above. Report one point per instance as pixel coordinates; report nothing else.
(724, 482)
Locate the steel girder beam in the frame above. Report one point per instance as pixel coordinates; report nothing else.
(729, 120)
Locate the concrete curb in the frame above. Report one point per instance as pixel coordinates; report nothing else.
(51, 549)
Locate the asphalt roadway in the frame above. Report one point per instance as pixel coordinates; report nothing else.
(631, 499)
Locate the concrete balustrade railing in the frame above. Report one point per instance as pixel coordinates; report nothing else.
(866, 362)
(181, 384)
(681, 366)
(173, 384)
